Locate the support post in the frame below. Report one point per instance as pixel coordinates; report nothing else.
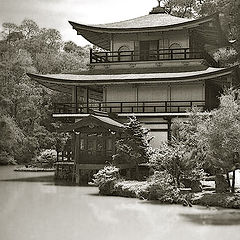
(91, 51)
(169, 123)
(87, 98)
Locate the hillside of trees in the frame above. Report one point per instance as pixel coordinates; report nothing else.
(26, 126)
(25, 106)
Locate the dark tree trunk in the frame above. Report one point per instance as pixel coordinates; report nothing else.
(228, 179)
(233, 182)
(178, 181)
(137, 172)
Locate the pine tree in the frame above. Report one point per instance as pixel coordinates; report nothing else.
(133, 147)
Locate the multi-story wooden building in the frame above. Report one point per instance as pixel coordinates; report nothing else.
(155, 67)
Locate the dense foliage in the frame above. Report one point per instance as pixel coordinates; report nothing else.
(229, 17)
(160, 187)
(183, 157)
(220, 134)
(105, 179)
(209, 141)
(25, 107)
(133, 147)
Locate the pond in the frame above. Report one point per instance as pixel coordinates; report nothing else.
(33, 207)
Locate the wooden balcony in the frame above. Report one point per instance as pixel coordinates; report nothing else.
(152, 55)
(128, 107)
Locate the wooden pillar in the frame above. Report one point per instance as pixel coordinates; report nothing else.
(169, 123)
(76, 148)
(74, 106)
(87, 96)
(76, 158)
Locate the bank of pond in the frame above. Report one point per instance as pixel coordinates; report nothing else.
(184, 196)
(159, 187)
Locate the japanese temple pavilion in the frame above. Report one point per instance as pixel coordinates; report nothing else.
(155, 67)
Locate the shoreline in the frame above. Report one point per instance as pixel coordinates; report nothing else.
(132, 189)
(33, 169)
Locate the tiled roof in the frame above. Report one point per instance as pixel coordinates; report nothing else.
(151, 20)
(72, 78)
(109, 121)
(104, 121)
(64, 82)
(100, 34)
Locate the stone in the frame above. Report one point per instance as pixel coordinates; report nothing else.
(196, 186)
(221, 184)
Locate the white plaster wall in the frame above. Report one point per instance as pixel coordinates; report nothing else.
(180, 37)
(128, 44)
(153, 92)
(189, 91)
(157, 92)
(122, 93)
(158, 138)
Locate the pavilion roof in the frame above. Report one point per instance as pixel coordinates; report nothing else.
(92, 120)
(100, 34)
(64, 82)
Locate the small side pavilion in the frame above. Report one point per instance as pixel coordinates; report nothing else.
(93, 145)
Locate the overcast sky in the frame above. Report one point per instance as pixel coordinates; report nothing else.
(56, 13)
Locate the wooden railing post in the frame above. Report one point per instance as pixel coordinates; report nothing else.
(106, 60)
(91, 52)
(166, 106)
(132, 56)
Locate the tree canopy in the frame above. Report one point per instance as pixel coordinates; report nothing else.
(25, 106)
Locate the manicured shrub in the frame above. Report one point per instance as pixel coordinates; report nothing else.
(47, 158)
(105, 179)
(161, 187)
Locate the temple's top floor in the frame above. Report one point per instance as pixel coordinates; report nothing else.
(207, 29)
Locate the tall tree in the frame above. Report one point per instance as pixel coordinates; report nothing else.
(133, 147)
(220, 134)
(25, 106)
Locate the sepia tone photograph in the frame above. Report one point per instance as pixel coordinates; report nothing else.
(119, 120)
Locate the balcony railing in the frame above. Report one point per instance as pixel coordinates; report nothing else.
(128, 107)
(151, 55)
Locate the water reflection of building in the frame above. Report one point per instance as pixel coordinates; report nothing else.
(156, 67)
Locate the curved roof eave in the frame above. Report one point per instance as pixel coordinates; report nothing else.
(101, 35)
(103, 121)
(98, 28)
(101, 80)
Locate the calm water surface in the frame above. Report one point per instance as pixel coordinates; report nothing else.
(32, 207)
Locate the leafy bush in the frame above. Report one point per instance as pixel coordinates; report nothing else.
(47, 157)
(6, 159)
(184, 156)
(105, 178)
(131, 188)
(160, 187)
